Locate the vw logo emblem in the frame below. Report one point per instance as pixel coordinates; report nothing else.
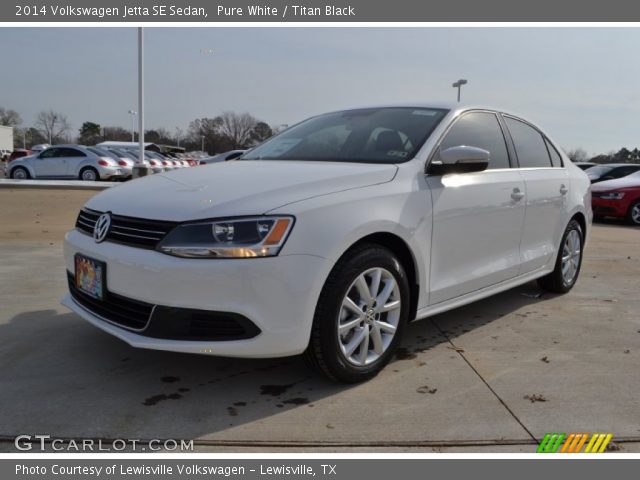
(102, 227)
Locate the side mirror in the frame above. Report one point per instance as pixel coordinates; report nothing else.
(460, 159)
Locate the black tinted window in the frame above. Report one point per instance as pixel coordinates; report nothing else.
(529, 143)
(556, 159)
(51, 153)
(623, 171)
(375, 135)
(69, 152)
(480, 130)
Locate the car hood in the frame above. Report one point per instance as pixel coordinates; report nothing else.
(632, 180)
(235, 188)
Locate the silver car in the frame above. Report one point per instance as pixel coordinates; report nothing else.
(66, 162)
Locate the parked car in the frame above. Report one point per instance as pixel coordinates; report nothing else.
(153, 165)
(126, 164)
(4, 154)
(611, 171)
(65, 162)
(330, 236)
(222, 157)
(585, 165)
(618, 198)
(39, 148)
(18, 153)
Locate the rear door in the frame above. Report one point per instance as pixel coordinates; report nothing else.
(547, 188)
(477, 217)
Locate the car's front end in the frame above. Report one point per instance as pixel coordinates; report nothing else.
(231, 306)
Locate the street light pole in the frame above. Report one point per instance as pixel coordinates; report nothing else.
(458, 85)
(133, 114)
(202, 147)
(139, 170)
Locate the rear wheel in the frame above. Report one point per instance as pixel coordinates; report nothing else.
(568, 262)
(633, 215)
(89, 174)
(360, 316)
(20, 173)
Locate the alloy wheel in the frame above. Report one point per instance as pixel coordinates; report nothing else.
(571, 252)
(369, 316)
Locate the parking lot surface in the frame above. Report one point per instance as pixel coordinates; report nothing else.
(495, 375)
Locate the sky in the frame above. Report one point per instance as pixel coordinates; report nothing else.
(580, 85)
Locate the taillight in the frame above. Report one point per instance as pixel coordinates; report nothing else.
(104, 163)
(122, 163)
(165, 163)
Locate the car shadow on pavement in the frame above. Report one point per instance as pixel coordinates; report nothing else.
(64, 377)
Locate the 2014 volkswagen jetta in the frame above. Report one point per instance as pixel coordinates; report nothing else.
(329, 237)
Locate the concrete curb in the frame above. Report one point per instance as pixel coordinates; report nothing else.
(56, 184)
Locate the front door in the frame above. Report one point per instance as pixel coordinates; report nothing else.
(477, 217)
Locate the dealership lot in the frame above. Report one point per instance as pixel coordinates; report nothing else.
(492, 376)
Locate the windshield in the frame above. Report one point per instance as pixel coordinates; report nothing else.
(599, 170)
(374, 135)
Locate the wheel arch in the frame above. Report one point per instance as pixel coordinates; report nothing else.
(12, 166)
(401, 249)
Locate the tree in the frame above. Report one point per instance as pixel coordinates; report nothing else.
(52, 125)
(90, 133)
(577, 155)
(9, 118)
(623, 155)
(117, 134)
(261, 131)
(159, 135)
(237, 128)
(207, 128)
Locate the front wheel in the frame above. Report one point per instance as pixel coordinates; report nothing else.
(20, 173)
(568, 262)
(633, 215)
(360, 316)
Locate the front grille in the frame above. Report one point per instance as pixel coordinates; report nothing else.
(135, 232)
(128, 313)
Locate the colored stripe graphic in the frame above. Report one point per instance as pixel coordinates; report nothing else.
(574, 442)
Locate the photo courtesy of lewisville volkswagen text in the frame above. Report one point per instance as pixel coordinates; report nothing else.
(264, 239)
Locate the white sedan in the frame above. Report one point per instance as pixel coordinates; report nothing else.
(329, 237)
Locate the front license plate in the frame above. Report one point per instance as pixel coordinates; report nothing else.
(91, 276)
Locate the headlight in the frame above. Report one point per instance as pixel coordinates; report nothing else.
(228, 238)
(612, 196)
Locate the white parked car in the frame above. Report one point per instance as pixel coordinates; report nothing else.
(329, 237)
(222, 157)
(66, 162)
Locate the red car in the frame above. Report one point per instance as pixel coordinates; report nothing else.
(19, 153)
(618, 198)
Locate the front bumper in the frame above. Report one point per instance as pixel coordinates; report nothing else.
(277, 294)
(608, 208)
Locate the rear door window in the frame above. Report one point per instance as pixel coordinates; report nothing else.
(529, 144)
(556, 159)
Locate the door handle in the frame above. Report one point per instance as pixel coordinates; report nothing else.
(517, 195)
(563, 190)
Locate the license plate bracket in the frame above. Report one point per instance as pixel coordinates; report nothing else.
(90, 276)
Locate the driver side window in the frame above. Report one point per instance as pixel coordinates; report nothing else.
(481, 130)
(50, 153)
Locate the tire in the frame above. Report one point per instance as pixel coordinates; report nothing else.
(328, 350)
(633, 215)
(558, 281)
(89, 174)
(20, 173)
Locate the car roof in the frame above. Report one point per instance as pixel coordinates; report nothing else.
(451, 106)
